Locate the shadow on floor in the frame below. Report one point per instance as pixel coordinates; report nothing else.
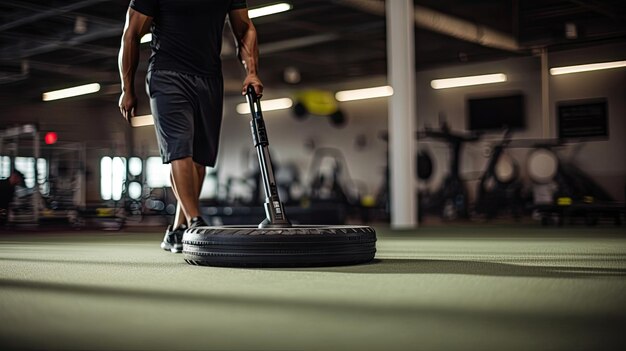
(113, 262)
(465, 267)
(530, 268)
(378, 307)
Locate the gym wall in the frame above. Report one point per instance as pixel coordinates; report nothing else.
(97, 123)
(603, 160)
(288, 136)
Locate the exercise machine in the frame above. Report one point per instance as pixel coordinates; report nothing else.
(22, 141)
(450, 200)
(500, 188)
(562, 190)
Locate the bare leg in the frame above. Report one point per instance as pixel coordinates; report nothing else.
(187, 178)
(201, 172)
(179, 217)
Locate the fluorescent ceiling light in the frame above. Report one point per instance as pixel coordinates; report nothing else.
(267, 105)
(269, 10)
(467, 81)
(140, 121)
(69, 92)
(146, 38)
(367, 93)
(585, 68)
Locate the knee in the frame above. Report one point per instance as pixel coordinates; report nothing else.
(180, 163)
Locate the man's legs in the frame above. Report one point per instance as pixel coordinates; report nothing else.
(187, 178)
(179, 217)
(174, 104)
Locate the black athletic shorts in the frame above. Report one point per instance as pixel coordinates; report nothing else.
(187, 111)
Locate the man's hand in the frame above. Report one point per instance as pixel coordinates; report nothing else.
(256, 83)
(128, 104)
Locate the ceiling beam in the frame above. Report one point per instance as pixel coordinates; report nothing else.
(51, 12)
(19, 51)
(72, 70)
(601, 8)
(445, 24)
(70, 16)
(296, 43)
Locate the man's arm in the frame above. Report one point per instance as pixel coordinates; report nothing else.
(247, 47)
(137, 24)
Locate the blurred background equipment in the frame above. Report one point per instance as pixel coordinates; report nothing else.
(64, 188)
(500, 186)
(319, 103)
(20, 151)
(562, 190)
(450, 201)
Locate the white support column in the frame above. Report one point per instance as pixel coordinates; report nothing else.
(401, 76)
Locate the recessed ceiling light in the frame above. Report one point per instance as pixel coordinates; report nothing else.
(586, 68)
(269, 10)
(70, 92)
(366, 93)
(267, 105)
(467, 81)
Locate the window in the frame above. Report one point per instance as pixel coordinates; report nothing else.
(112, 177)
(26, 165)
(5, 167)
(157, 173)
(42, 176)
(135, 166)
(134, 190)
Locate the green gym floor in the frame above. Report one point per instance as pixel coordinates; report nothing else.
(462, 287)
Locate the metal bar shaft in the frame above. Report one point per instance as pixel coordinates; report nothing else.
(274, 210)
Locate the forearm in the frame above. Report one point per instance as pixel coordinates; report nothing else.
(249, 50)
(128, 60)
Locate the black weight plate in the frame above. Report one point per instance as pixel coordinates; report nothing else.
(338, 119)
(297, 246)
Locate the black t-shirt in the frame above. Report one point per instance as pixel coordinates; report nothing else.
(187, 34)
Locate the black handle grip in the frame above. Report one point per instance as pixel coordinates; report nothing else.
(252, 93)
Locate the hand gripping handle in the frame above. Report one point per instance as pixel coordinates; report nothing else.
(254, 101)
(251, 93)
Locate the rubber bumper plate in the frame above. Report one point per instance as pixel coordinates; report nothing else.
(297, 246)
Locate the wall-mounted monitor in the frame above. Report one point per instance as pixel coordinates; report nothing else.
(583, 119)
(497, 112)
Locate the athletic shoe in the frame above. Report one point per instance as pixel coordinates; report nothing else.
(197, 222)
(173, 240)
